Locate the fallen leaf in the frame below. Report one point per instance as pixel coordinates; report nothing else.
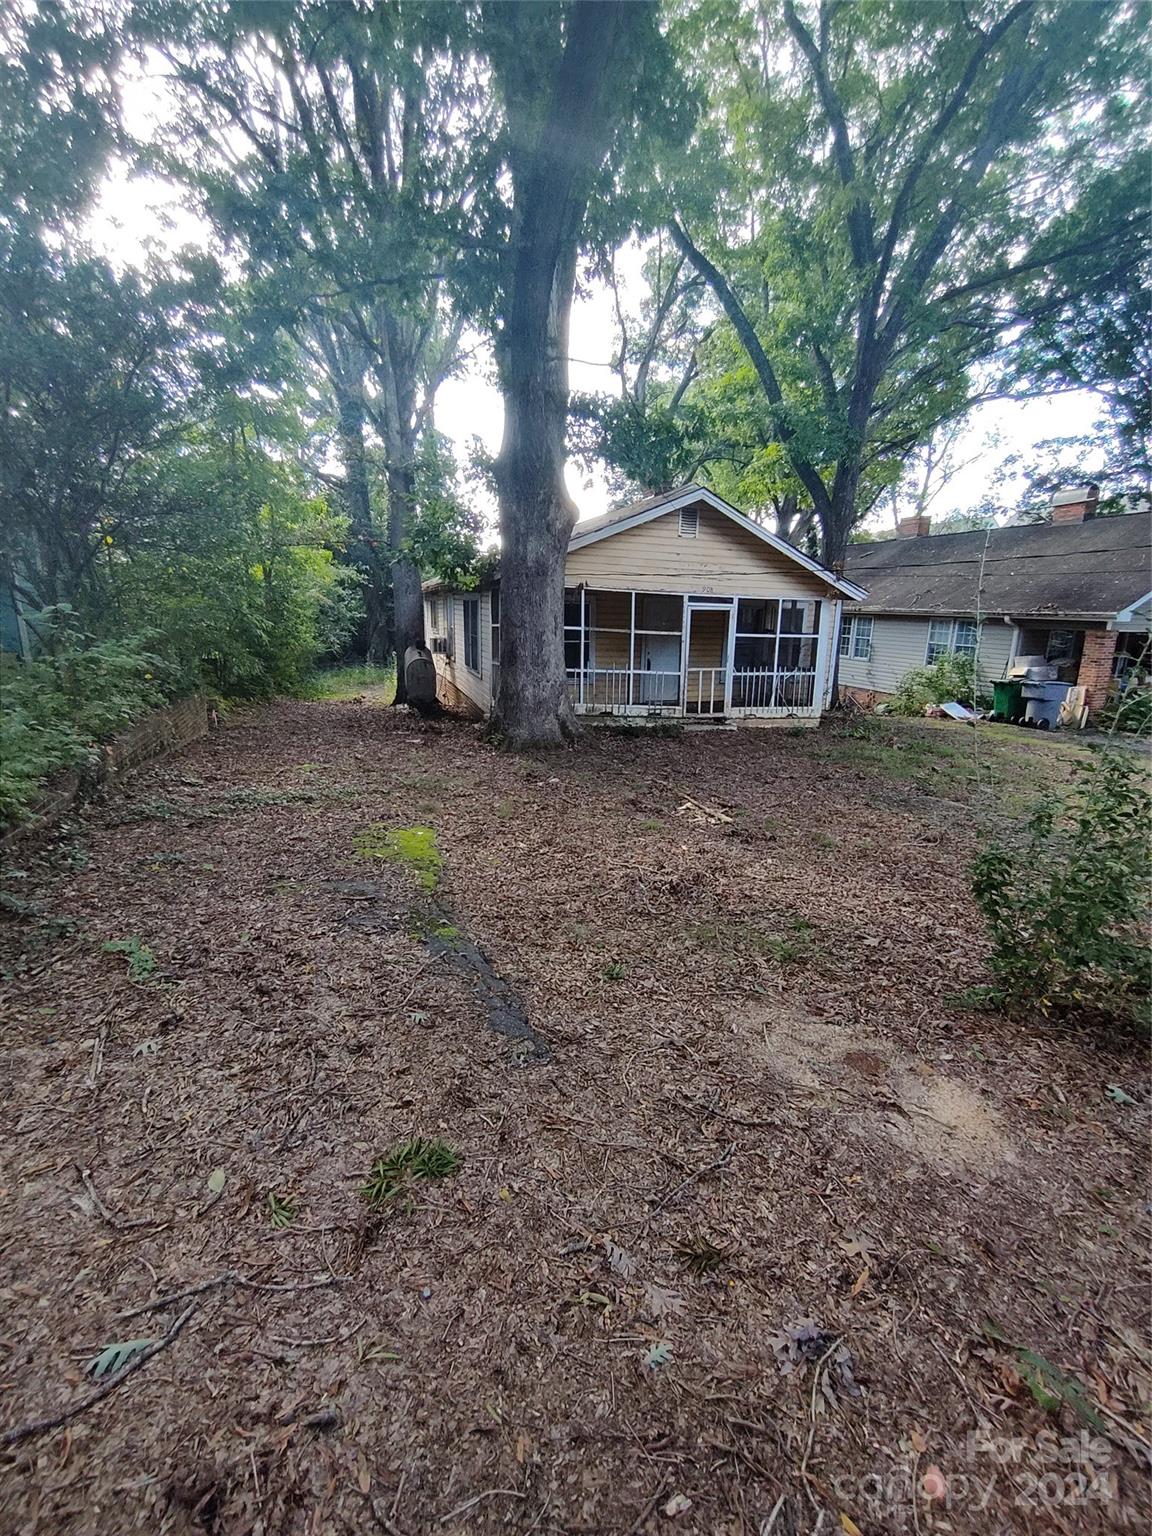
(619, 1260)
(658, 1355)
(849, 1526)
(363, 1474)
(661, 1303)
(1117, 1094)
(114, 1357)
(216, 1181)
(919, 1441)
(861, 1281)
(677, 1505)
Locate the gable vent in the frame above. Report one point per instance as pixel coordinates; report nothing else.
(689, 522)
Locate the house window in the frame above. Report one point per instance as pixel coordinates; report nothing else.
(945, 635)
(856, 638)
(939, 640)
(1061, 647)
(472, 634)
(494, 609)
(689, 522)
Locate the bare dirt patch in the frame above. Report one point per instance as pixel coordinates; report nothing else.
(922, 1109)
(776, 1234)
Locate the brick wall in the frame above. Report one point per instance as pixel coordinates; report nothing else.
(160, 731)
(163, 730)
(1095, 674)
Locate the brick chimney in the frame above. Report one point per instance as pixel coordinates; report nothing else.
(1075, 505)
(913, 527)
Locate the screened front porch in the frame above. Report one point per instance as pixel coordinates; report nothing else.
(654, 653)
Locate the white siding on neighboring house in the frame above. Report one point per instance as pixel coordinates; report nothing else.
(899, 644)
(475, 686)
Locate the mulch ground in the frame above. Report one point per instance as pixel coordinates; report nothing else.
(760, 1229)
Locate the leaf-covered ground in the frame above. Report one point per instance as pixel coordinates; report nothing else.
(729, 1214)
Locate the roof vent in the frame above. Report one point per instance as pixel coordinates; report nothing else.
(689, 522)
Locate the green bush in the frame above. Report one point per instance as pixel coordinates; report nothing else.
(1131, 712)
(1068, 910)
(59, 706)
(951, 679)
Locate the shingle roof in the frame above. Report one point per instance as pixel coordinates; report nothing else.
(1091, 569)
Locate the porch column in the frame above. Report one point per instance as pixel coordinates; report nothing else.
(1095, 674)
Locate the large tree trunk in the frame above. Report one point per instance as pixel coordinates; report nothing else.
(536, 518)
(363, 541)
(407, 597)
(552, 170)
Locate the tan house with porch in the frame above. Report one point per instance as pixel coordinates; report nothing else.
(675, 607)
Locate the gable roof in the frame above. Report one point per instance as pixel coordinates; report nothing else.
(637, 513)
(1089, 570)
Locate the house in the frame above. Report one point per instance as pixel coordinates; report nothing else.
(677, 606)
(1074, 590)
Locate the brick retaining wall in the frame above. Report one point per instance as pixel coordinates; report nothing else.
(161, 730)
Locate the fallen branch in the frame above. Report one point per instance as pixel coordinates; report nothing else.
(692, 1178)
(231, 1277)
(66, 1415)
(121, 1223)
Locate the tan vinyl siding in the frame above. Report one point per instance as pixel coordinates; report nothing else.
(708, 639)
(900, 644)
(722, 559)
(609, 649)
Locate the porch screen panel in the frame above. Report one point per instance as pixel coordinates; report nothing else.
(774, 657)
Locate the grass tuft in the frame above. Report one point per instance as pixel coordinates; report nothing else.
(417, 1158)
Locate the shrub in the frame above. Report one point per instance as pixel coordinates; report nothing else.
(1067, 911)
(1131, 712)
(952, 678)
(61, 704)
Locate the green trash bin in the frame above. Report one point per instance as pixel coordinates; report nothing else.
(1008, 701)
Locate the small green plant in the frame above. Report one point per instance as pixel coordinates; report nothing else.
(615, 970)
(414, 846)
(417, 1158)
(1132, 712)
(141, 961)
(281, 1210)
(951, 679)
(1067, 912)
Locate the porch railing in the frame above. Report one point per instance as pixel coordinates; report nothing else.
(782, 693)
(705, 689)
(619, 690)
(611, 690)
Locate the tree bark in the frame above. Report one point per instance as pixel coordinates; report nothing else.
(364, 543)
(551, 173)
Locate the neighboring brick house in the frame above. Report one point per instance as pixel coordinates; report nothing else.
(1076, 590)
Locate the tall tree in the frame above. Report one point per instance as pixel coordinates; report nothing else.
(570, 78)
(895, 190)
(341, 148)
